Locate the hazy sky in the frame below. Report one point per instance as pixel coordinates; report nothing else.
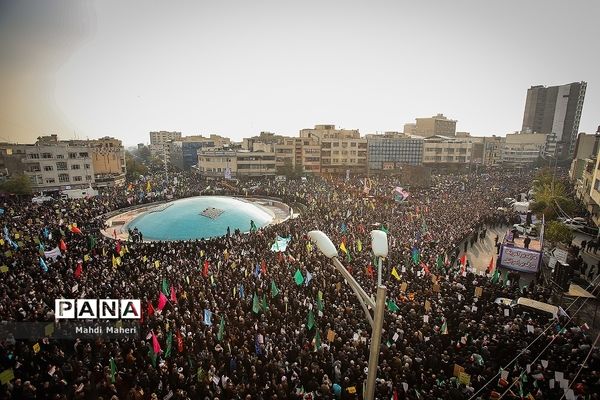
(235, 68)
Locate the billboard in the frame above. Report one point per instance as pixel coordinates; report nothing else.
(519, 259)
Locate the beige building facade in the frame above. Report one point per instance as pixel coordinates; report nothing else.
(158, 137)
(521, 149)
(341, 150)
(442, 150)
(436, 125)
(224, 163)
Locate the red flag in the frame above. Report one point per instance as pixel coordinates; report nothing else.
(75, 229)
(78, 270)
(205, 270)
(263, 267)
(155, 344)
(491, 266)
(463, 262)
(370, 271)
(162, 301)
(150, 309)
(62, 245)
(173, 295)
(425, 267)
(118, 247)
(179, 342)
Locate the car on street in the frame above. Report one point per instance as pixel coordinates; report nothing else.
(530, 230)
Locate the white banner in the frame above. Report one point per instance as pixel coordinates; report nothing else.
(520, 259)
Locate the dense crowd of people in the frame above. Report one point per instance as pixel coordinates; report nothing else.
(237, 320)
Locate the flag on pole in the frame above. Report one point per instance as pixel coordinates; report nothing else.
(298, 278)
(491, 266)
(173, 295)
(359, 245)
(169, 344)
(274, 289)
(395, 273)
(179, 342)
(207, 317)
(255, 304)
(155, 344)
(264, 305)
(392, 306)
(317, 340)
(310, 320)
(165, 286)
(43, 265)
(221, 331)
(496, 276)
(113, 370)
(150, 309)
(343, 248)
(205, 269)
(444, 329)
(162, 300)
(78, 270)
(416, 256)
(308, 277)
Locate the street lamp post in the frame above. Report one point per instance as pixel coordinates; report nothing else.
(380, 250)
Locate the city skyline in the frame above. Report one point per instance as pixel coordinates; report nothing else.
(94, 69)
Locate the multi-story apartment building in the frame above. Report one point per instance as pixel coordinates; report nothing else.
(521, 149)
(53, 165)
(392, 150)
(238, 163)
(436, 125)
(342, 150)
(159, 137)
(586, 149)
(191, 144)
(492, 150)
(443, 150)
(555, 110)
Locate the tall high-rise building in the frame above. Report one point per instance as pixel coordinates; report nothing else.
(555, 111)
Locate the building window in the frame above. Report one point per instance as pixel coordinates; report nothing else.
(50, 180)
(61, 156)
(75, 166)
(46, 155)
(83, 155)
(63, 177)
(77, 179)
(86, 166)
(88, 178)
(61, 166)
(48, 168)
(72, 155)
(35, 168)
(34, 156)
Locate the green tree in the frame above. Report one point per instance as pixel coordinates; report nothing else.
(19, 184)
(135, 168)
(550, 198)
(557, 232)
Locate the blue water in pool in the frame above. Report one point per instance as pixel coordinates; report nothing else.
(181, 219)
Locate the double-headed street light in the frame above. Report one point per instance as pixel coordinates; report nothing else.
(379, 245)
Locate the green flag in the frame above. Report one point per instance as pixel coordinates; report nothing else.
(439, 263)
(298, 278)
(274, 290)
(320, 303)
(264, 305)
(348, 257)
(392, 306)
(151, 354)
(317, 341)
(169, 344)
(311, 320)
(221, 329)
(113, 370)
(496, 275)
(165, 287)
(255, 304)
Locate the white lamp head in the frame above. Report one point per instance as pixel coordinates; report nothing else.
(324, 244)
(379, 243)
